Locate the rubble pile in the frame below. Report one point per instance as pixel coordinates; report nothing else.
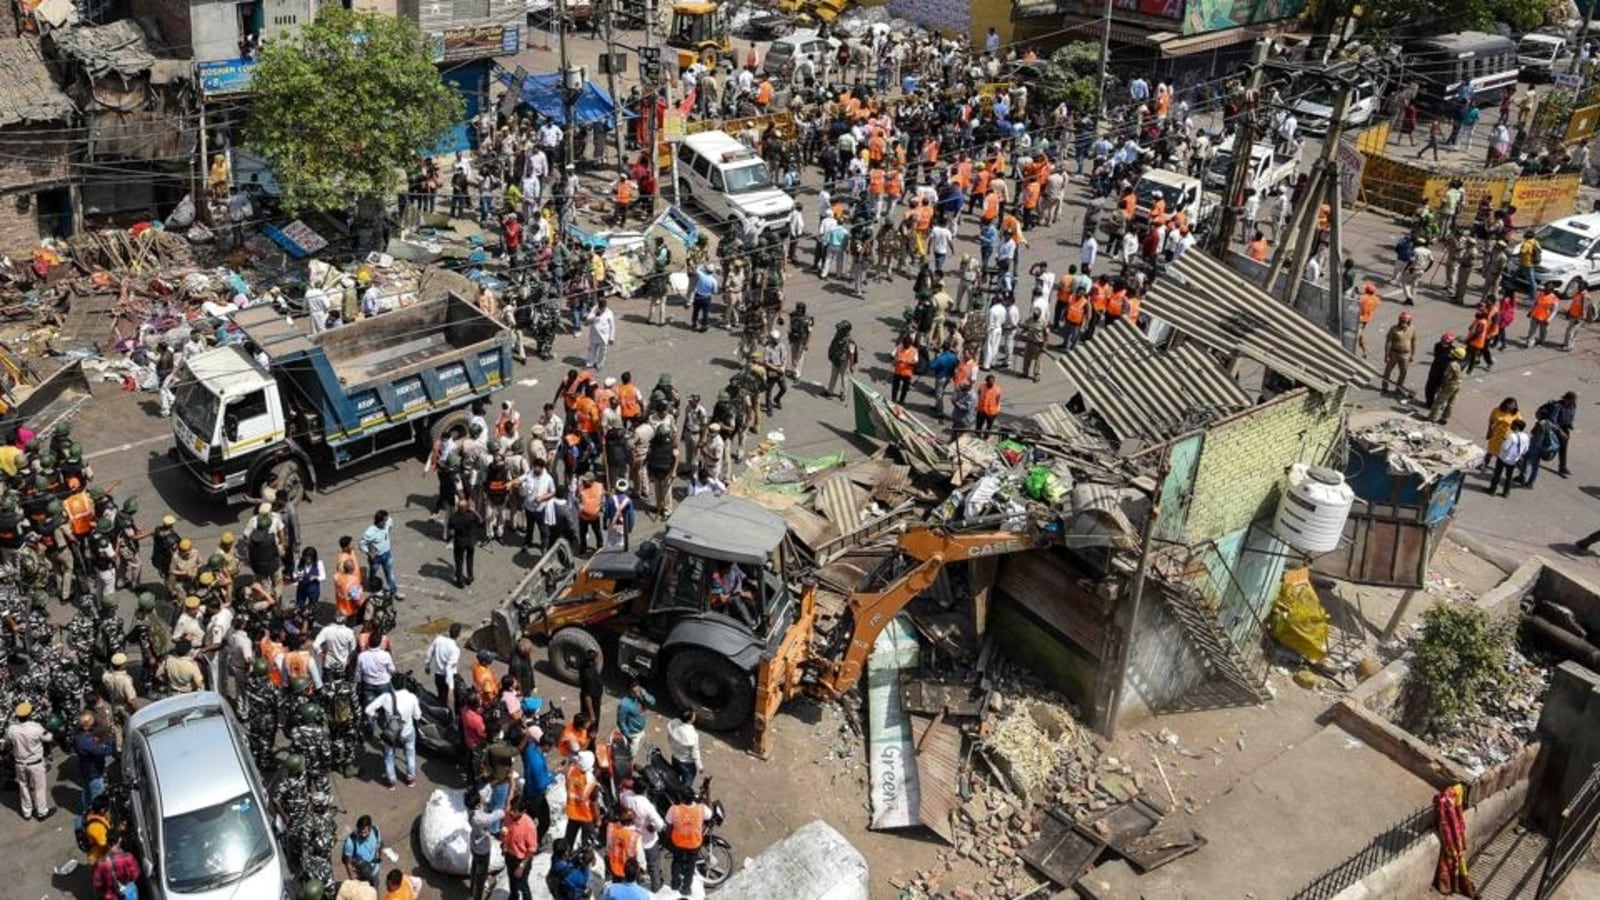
(1505, 720)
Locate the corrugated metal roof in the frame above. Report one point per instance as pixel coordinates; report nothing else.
(1145, 392)
(122, 47)
(31, 94)
(1211, 303)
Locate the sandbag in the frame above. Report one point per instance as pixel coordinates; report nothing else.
(1298, 620)
(442, 835)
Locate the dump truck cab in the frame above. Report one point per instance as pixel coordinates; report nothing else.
(701, 605)
(224, 412)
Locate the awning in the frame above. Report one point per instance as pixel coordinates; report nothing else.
(542, 92)
(1169, 43)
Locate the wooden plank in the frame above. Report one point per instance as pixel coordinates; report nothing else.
(938, 744)
(809, 528)
(935, 698)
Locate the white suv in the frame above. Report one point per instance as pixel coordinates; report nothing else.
(732, 181)
(1569, 249)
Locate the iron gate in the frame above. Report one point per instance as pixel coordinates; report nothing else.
(1574, 834)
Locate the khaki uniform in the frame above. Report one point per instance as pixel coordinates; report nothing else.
(27, 741)
(1399, 347)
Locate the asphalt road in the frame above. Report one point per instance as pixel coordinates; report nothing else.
(804, 780)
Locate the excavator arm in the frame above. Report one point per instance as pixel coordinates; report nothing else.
(803, 664)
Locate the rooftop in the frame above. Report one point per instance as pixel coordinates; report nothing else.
(122, 48)
(31, 94)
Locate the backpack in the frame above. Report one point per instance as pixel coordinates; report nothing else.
(263, 549)
(799, 328)
(839, 349)
(80, 829)
(1550, 446)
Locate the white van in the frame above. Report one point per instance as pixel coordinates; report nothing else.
(731, 181)
(1542, 54)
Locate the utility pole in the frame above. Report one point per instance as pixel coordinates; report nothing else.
(611, 78)
(656, 97)
(1303, 238)
(1105, 59)
(1336, 285)
(567, 153)
(1244, 143)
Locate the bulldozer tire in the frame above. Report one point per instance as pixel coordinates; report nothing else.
(291, 479)
(568, 648)
(722, 695)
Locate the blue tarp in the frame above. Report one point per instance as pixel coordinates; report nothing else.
(542, 92)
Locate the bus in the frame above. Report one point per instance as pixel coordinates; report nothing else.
(1440, 66)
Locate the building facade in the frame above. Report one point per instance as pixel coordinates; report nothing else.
(38, 128)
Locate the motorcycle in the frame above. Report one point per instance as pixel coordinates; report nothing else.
(439, 732)
(664, 788)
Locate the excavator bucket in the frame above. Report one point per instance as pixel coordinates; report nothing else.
(40, 402)
(545, 582)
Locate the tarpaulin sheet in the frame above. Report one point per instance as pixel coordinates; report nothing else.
(542, 92)
(892, 769)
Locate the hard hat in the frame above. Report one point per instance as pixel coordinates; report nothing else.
(105, 526)
(48, 461)
(25, 709)
(207, 579)
(169, 521)
(109, 601)
(309, 712)
(130, 505)
(118, 660)
(53, 507)
(264, 509)
(97, 494)
(191, 602)
(295, 763)
(147, 601)
(1458, 352)
(226, 540)
(216, 560)
(299, 685)
(258, 667)
(186, 545)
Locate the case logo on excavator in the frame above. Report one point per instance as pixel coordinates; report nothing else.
(995, 549)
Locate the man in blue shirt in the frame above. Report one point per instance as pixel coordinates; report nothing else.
(942, 368)
(377, 541)
(535, 768)
(628, 888)
(630, 715)
(360, 852)
(705, 288)
(94, 752)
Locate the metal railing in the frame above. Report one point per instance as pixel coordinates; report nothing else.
(1381, 850)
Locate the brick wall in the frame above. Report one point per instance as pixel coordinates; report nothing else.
(33, 155)
(19, 231)
(1243, 460)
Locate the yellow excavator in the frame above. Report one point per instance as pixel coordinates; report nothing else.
(699, 32)
(714, 608)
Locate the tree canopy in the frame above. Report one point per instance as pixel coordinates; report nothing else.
(1071, 74)
(1453, 15)
(344, 105)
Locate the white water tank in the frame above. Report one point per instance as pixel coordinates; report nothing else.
(1313, 510)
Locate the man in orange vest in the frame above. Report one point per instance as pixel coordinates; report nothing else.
(1544, 309)
(686, 823)
(623, 845)
(905, 368)
(591, 501)
(1030, 204)
(1076, 316)
(988, 405)
(625, 193)
(1369, 305)
(1577, 313)
(764, 93)
(1477, 338)
(582, 800)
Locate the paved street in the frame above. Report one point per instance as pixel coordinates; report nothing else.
(128, 443)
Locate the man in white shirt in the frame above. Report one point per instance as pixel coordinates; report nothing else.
(1512, 449)
(940, 239)
(683, 746)
(647, 820)
(1087, 253)
(444, 655)
(374, 672)
(334, 645)
(316, 300)
(397, 705)
(602, 334)
(537, 489)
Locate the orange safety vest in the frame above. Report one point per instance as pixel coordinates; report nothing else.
(1010, 224)
(1258, 250)
(1097, 297)
(622, 844)
(896, 185)
(905, 362)
(589, 501)
(688, 826)
(80, 513)
(270, 651)
(982, 186)
(764, 93)
(625, 190)
(875, 148)
(1115, 303)
(1577, 306)
(580, 802)
(1133, 310)
(574, 391)
(1030, 195)
(1369, 305)
(403, 892)
(485, 683)
(966, 370)
(964, 172)
(1158, 211)
(298, 663)
(930, 151)
(628, 398)
(1130, 203)
(924, 214)
(1544, 306)
(573, 739)
(991, 206)
(586, 415)
(602, 397)
(989, 400)
(875, 183)
(1077, 309)
(1477, 334)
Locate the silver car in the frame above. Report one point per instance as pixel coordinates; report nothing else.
(200, 812)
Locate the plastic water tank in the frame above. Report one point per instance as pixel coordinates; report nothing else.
(1313, 510)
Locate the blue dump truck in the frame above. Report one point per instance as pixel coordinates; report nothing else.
(326, 402)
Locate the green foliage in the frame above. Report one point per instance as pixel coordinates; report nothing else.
(1070, 76)
(343, 107)
(1441, 16)
(1459, 657)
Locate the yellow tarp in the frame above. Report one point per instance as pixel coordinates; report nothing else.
(1298, 620)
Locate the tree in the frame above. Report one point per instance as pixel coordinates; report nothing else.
(343, 107)
(1440, 16)
(1457, 660)
(1070, 76)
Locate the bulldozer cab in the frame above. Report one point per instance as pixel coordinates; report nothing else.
(724, 558)
(698, 29)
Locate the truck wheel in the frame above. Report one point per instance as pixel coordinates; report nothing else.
(442, 425)
(568, 649)
(291, 479)
(722, 695)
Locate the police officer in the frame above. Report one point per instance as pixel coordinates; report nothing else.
(258, 708)
(12, 536)
(291, 801)
(163, 546)
(130, 569)
(33, 569)
(152, 635)
(309, 737)
(101, 552)
(81, 632)
(340, 703)
(110, 632)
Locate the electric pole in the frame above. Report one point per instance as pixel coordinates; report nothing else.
(1244, 144)
(654, 96)
(1336, 285)
(567, 91)
(1302, 236)
(611, 78)
(1105, 60)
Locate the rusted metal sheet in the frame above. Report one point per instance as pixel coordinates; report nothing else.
(1061, 853)
(938, 744)
(1047, 586)
(809, 528)
(839, 501)
(1383, 546)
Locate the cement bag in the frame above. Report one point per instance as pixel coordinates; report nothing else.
(1298, 620)
(813, 863)
(182, 215)
(679, 282)
(442, 835)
